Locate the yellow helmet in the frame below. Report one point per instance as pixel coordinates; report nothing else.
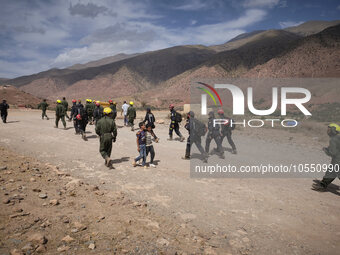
(336, 126)
(87, 100)
(131, 103)
(107, 110)
(90, 100)
(59, 101)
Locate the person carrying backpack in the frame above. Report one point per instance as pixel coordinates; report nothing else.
(214, 133)
(196, 129)
(89, 110)
(226, 131)
(175, 119)
(98, 112)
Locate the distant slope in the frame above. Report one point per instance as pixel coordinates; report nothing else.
(15, 96)
(103, 61)
(312, 27)
(254, 38)
(314, 56)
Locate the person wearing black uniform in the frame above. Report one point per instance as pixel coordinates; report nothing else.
(194, 137)
(4, 110)
(175, 118)
(214, 133)
(149, 120)
(73, 116)
(113, 107)
(97, 113)
(227, 130)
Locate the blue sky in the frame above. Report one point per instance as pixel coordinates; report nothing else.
(36, 35)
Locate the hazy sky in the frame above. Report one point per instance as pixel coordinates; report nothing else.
(36, 35)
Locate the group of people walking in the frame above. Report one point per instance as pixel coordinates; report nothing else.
(94, 113)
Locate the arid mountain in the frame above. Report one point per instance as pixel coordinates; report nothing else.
(17, 97)
(312, 27)
(314, 56)
(103, 61)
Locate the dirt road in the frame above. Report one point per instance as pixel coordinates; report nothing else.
(236, 216)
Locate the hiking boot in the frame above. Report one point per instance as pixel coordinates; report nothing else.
(47, 118)
(134, 164)
(182, 138)
(84, 137)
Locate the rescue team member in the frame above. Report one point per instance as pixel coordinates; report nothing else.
(150, 120)
(4, 111)
(196, 129)
(131, 114)
(107, 131)
(113, 106)
(89, 108)
(60, 114)
(175, 119)
(74, 113)
(333, 150)
(43, 106)
(65, 104)
(226, 131)
(214, 133)
(98, 112)
(125, 108)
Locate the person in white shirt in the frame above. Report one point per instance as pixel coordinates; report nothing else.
(125, 107)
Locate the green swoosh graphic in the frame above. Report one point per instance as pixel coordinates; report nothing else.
(208, 92)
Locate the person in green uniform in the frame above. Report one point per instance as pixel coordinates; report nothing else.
(131, 113)
(89, 108)
(60, 114)
(65, 104)
(107, 131)
(43, 106)
(333, 151)
(113, 106)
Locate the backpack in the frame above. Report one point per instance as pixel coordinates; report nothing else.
(178, 117)
(200, 128)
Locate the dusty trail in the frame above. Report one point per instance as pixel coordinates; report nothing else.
(251, 216)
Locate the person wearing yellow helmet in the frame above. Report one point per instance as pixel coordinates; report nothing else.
(89, 110)
(107, 131)
(60, 114)
(333, 151)
(131, 113)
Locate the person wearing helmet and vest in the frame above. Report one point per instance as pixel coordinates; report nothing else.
(98, 112)
(89, 110)
(131, 114)
(107, 131)
(194, 137)
(175, 118)
(65, 104)
(226, 131)
(214, 133)
(333, 151)
(60, 114)
(43, 106)
(113, 106)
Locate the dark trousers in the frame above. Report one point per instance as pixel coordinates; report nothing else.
(330, 175)
(218, 141)
(151, 150)
(62, 118)
(174, 126)
(4, 117)
(43, 114)
(197, 142)
(105, 146)
(230, 140)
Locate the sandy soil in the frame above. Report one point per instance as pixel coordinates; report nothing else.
(158, 210)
